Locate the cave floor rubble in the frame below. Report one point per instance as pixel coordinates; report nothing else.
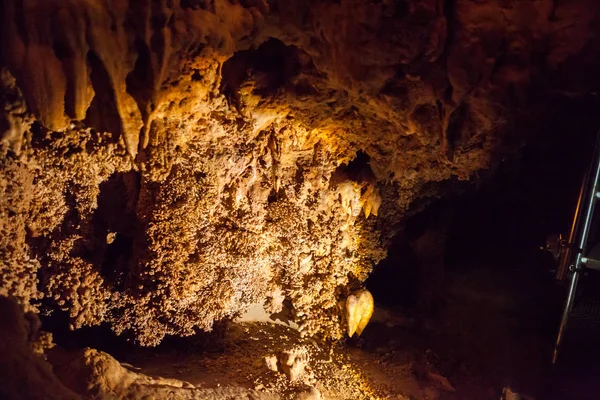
(488, 336)
(470, 350)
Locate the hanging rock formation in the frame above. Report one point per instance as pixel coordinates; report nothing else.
(168, 163)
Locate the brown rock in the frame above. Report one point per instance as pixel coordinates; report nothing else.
(241, 149)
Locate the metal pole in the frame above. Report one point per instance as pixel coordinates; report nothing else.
(590, 197)
(565, 257)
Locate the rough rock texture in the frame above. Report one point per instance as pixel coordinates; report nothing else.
(88, 373)
(96, 375)
(24, 374)
(166, 163)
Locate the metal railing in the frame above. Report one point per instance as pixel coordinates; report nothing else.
(572, 260)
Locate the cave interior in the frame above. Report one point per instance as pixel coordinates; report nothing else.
(302, 199)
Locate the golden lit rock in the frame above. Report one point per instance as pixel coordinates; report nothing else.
(168, 164)
(359, 309)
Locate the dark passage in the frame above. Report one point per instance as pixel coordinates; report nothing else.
(501, 305)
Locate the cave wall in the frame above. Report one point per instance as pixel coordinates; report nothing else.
(166, 164)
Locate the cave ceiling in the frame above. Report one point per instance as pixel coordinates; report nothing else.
(166, 164)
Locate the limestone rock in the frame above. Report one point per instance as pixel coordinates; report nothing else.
(235, 150)
(311, 393)
(294, 363)
(271, 362)
(23, 372)
(359, 309)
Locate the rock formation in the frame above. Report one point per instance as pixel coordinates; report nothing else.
(168, 163)
(24, 374)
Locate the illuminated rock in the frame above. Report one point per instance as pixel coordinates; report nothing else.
(169, 164)
(359, 309)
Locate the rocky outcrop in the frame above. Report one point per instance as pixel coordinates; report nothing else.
(25, 374)
(95, 374)
(169, 163)
(32, 372)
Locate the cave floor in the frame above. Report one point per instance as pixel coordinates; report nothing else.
(379, 365)
(495, 330)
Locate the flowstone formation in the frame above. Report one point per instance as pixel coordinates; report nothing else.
(166, 164)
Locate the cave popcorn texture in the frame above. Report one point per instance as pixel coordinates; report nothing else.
(210, 139)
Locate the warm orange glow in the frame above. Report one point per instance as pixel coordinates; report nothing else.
(359, 309)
